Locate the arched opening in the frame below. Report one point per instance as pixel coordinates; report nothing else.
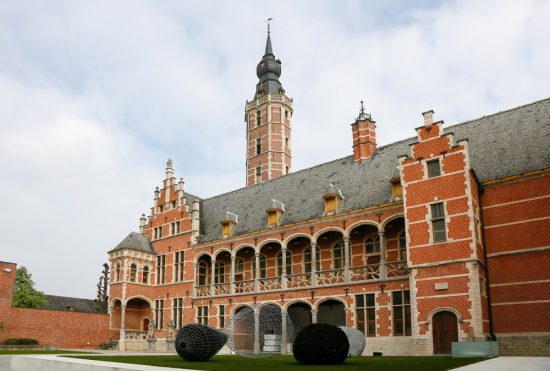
(300, 315)
(203, 270)
(137, 310)
(115, 314)
(332, 255)
(270, 279)
(222, 273)
(244, 274)
(396, 248)
(133, 272)
(444, 331)
(300, 274)
(332, 312)
(145, 324)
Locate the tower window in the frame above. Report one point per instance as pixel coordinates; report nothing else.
(433, 168)
(287, 170)
(258, 118)
(286, 114)
(438, 222)
(258, 146)
(258, 174)
(286, 142)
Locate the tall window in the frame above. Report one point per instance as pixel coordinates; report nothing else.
(438, 222)
(258, 174)
(203, 273)
(220, 272)
(202, 315)
(133, 272)
(258, 146)
(177, 312)
(161, 268)
(159, 313)
(434, 169)
(239, 266)
(402, 246)
(145, 276)
(338, 254)
(263, 267)
(117, 272)
(178, 266)
(401, 307)
(175, 228)
(221, 316)
(307, 260)
(366, 314)
(372, 245)
(258, 118)
(157, 232)
(280, 263)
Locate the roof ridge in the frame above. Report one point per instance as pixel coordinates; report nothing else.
(68, 297)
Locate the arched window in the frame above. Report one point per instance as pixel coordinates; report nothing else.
(338, 254)
(263, 267)
(239, 266)
(145, 277)
(117, 272)
(133, 272)
(219, 275)
(307, 260)
(280, 263)
(203, 273)
(372, 245)
(402, 246)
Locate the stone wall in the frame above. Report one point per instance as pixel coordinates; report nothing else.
(531, 345)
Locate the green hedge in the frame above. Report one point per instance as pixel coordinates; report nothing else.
(20, 341)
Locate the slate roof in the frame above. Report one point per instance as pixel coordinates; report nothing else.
(502, 144)
(136, 241)
(64, 303)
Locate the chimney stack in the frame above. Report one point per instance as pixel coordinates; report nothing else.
(428, 118)
(364, 136)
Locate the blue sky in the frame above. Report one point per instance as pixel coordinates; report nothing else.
(97, 95)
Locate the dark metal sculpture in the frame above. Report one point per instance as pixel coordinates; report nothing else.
(197, 342)
(321, 344)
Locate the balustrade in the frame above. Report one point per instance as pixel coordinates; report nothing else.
(298, 280)
(269, 284)
(244, 286)
(330, 277)
(364, 273)
(135, 335)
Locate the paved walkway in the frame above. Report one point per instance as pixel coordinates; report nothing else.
(5, 362)
(510, 364)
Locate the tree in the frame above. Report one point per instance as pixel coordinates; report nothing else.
(24, 293)
(102, 300)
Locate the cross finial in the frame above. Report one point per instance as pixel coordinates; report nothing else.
(268, 25)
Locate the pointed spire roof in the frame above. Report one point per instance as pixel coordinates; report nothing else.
(268, 71)
(268, 47)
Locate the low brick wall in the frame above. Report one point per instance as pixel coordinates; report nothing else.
(532, 345)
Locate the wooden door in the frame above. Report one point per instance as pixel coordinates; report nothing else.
(444, 325)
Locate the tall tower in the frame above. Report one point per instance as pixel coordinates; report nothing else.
(268, 118)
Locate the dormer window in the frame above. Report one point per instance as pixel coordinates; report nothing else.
(332, 197)
(396, 189)
(227, 224)
(274, 213)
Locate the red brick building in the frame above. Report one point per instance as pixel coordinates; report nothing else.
(441, 237)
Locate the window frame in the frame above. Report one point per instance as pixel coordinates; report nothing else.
(202, 315)
(177, 312)
(258, 146)
(431, 170)
(179, 260)
(338, 262)
(279, 261)
(145, 275)
(307, 262)
(438, 222)
(159, 314)
(258, 118)
(402, 310)
(133, 272)
(366, 309)
(202, 277)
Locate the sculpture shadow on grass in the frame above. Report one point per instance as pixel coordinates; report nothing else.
(321, 344)
(197, 342)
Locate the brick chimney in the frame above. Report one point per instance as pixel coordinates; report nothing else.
(364, 136)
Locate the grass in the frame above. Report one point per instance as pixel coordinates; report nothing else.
(229, 362)
(16, 352)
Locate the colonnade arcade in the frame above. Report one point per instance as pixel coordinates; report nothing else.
(132, 317)
(365, 251)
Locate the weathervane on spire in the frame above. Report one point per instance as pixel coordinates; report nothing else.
(268, 26)
(362, 114)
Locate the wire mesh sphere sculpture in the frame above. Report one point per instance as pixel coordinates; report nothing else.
(356, 339)
(263, 336)
(197, 342)
(321, 344)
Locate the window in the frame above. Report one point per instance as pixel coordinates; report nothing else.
(438, 222)
(273, 217)
(258, 118)
(175, 228)
(396, 189)
(178, 266)
(263, 265)
(258, 174)
(177, 312)
(433, 168)
(221, 316)
(401, 306)
(332, 202)
(239, 266)
(117, 272)
(133, 272)
(286, 114)
(219, 275)
(280, 263)
(203, 273)
(286, 142)
(337, 255)
(402, 246)
(159, 313)
(157, 233)
(145, 276)
(202, 315)
(366, 314)
(307, 260)
(287, 170)
(372, 245)
(258, 146)
(227, 228)
(161, 268)
(173, 204)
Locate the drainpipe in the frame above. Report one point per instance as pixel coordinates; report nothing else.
(480, 192)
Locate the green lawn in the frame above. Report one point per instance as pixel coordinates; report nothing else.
(9, 352)
(228, 362)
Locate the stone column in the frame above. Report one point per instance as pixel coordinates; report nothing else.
(346, 259)
(232, 279)
(257, 272)
(122, 340)
(283, 271)
(213, 279)
(313, 264)
(314, 316)
(382, 254)
(232, 326)
(284, 334)
(256, 331)
(195, 279)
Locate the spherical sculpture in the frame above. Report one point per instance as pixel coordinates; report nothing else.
(357, 341)
(199, 342)
(321, 344)
(247, 340)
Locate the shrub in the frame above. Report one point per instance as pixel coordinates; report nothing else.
(20, 341)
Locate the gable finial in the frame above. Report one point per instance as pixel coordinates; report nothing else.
(362, 114)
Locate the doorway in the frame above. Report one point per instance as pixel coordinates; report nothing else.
(444, 331)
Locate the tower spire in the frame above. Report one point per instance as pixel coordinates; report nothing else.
(268, 47)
